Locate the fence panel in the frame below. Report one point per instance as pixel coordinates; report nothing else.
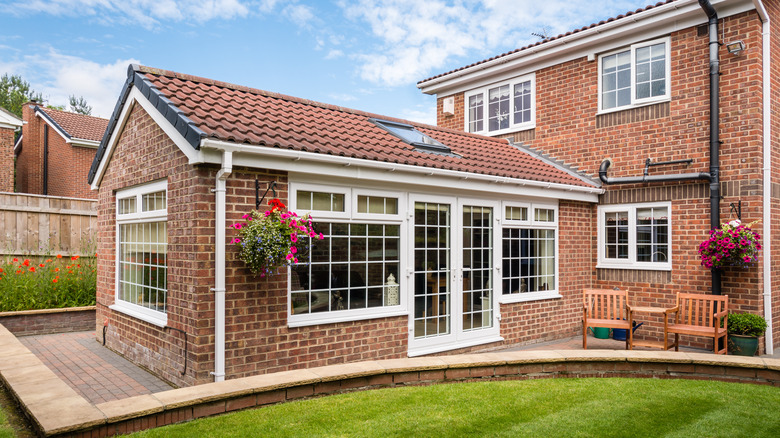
(34, 224)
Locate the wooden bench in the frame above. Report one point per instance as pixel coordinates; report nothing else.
(700, 315)
(605, 308)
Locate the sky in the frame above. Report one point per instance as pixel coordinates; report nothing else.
(361, 54)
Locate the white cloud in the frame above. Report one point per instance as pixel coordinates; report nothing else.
(58, 76)
(418, 38)
(334, 54)
(342, 97)
(301, 15)
(148, 13)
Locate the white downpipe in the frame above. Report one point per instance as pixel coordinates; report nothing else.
(219, 267)
(767, 174)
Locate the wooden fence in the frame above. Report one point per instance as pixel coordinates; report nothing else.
(34, 224)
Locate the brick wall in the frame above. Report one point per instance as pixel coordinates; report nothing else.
(68, 165)
(569, 129)
(6, 160)
(774, 10)
(42, 322)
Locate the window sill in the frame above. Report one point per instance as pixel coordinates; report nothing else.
(133, 311)
(512, 130)
(528, 296)
(634, 106)
(635, 267)
(308, 320)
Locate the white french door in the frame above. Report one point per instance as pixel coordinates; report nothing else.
(454, 273)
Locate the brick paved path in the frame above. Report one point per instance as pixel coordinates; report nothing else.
(95, 372)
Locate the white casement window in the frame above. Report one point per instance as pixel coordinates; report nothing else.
(635, 236)
(142, 252)
(635, 76)
(502, 107)
(529, 252)
(354, 272)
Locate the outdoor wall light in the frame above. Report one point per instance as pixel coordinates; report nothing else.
(736, 47)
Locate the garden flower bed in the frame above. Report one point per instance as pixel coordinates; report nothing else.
(47, 283)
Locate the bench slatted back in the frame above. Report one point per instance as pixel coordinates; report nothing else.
(605, 303)
(700, 310)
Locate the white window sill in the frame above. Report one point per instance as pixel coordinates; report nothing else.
(344, 316)
(636, 105)
(511, 130)
(636, 267)
(528, 296)
(157, 318)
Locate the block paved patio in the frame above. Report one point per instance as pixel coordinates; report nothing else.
(95, 372)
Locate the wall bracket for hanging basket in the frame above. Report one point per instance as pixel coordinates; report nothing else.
(258, 199)
(737, 209)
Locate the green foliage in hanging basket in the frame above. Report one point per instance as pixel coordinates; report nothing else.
(272, 239)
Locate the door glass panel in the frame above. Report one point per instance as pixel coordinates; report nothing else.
(477, 267)
(432, 303)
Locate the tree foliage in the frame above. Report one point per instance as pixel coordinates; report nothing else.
(79, 105)
(14, 92)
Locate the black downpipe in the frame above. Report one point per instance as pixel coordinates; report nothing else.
(714, 174)
(714, 129)
(45, 160)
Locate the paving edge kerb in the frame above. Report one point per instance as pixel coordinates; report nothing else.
(58, 410)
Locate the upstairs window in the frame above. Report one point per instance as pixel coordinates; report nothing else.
(502, 107)
(634, 76)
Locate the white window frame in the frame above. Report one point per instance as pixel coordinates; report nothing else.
(531, 223)
(350, 215)
(630, 262)
(634, 101)
(485, 118)
(151, 316)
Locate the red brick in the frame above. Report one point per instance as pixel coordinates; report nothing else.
(209, 409)
(270, 397)
(241, 403)
(300, 392)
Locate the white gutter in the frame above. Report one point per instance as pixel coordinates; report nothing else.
(297, 156)
(219, 267)
(767, 173)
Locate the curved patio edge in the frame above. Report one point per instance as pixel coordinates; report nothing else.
(43, 395)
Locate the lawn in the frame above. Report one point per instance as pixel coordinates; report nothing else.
(549, 407)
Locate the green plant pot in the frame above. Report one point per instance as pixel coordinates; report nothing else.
(743, 345)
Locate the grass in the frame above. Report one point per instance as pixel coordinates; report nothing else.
(537, 408)
(47, 283)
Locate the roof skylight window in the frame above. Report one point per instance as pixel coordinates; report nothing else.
(411, 135)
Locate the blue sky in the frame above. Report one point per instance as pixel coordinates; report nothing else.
(360, 54)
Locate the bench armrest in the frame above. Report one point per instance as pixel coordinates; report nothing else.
(674, 309)
(721, 313)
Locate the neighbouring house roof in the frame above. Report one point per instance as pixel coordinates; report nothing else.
(202, 109)
(75, 126)
(549, 40)
(9, 119)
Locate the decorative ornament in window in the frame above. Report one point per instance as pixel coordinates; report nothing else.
(733, 244)
(392, 297)
(270, 240)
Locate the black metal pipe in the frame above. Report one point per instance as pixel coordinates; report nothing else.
(45, 159)
(648, 178)
(714, 129)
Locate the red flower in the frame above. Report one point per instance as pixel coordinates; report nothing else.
(74, 258)
(59, 256)
(15, 259)
(54, 281)
(32, 268)
(26, 262)
(42, 265)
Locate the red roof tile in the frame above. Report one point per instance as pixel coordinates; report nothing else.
(248, 116)
(547, 40)
(78, 125)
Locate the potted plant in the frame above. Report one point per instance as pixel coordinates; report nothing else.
(733, 244)
(270, 240)
(744, 330)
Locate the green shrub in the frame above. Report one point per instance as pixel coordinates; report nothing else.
(47, 283)
(746, 324)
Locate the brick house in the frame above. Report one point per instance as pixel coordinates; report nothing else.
(404, 207)
(489, 241)
(9, 124)
(630, 100)
(55, 151)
